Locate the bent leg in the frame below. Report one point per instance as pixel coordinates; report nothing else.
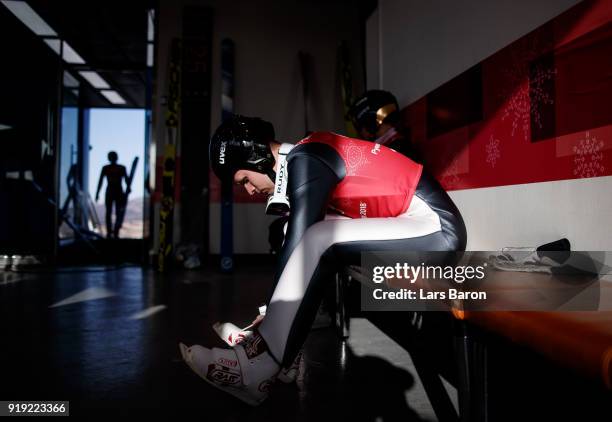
(300, 287)
(120, 212)
(109, 214)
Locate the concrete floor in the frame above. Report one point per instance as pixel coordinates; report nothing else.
(106, 340)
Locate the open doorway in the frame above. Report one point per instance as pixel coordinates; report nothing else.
(121, 131)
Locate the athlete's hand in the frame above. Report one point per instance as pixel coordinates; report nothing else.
(255, 322)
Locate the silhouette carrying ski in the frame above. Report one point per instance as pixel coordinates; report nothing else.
(115, 174)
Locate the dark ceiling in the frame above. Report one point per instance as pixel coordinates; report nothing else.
(111, 36)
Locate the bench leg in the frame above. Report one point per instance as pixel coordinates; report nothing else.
(343, 319)
(472, 383)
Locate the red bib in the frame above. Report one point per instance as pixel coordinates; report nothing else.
(379, 182)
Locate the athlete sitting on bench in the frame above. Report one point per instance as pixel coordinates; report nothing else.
(382, 200)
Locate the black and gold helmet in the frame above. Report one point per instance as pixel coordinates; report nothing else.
(374, 108)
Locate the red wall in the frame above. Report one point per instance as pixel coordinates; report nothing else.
(543, 109)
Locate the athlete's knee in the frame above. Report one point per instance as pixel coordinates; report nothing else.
(456, 239)
(460, 237)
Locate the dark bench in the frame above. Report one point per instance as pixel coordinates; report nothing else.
(503, 364)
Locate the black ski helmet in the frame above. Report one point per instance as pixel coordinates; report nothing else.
(242, 143)
(374, 108)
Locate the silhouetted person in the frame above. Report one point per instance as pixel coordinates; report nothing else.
(114, 174)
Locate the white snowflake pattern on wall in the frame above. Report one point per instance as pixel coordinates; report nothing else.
(493, 151)
(520, 108)
(588, 157)
(538, 93)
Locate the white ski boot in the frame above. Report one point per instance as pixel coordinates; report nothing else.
(233, 335)
(245, 371)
